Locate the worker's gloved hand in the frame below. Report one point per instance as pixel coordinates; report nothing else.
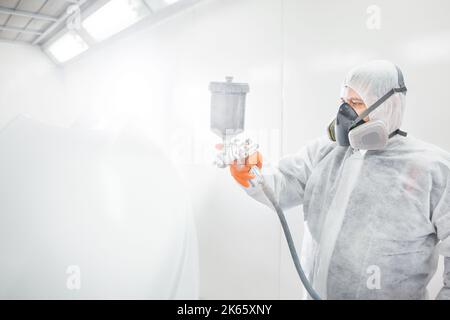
(241, 171)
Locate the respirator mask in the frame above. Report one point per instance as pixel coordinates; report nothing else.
(349, 129)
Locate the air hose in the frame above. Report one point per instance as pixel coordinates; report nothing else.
(271, 197)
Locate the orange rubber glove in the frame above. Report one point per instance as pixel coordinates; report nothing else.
(240, 172)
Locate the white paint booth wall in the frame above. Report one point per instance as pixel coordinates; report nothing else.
(294, 54)
(29, 84)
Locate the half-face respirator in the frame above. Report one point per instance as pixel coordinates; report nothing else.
(350, 129)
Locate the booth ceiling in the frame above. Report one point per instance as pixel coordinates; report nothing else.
(31, 21)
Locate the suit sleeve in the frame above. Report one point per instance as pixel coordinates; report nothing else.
(288, 179)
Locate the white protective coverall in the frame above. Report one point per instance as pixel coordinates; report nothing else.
(373, 220)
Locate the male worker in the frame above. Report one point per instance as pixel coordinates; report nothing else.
(376, 202)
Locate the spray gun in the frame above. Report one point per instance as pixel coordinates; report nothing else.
(227, 121)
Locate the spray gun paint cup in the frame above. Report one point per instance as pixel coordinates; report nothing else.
(228, 107)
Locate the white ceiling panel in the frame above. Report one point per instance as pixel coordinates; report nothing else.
(9, 3)
(18, 22)
(19, 17)
(8, 35)
(31, 6)
(3, 18)
(55, 7)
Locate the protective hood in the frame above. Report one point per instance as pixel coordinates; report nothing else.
(371, 81)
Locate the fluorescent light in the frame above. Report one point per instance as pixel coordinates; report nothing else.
(113, 17)
(67, 47)
(160, 4)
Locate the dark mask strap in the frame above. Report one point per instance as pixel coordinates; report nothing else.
(399, 132)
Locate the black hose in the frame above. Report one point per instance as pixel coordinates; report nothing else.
(271, 197)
